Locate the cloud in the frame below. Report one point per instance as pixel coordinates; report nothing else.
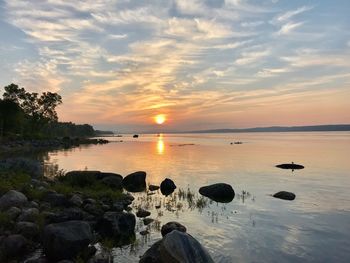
(288, 15)
(289, 28)
(251, 57)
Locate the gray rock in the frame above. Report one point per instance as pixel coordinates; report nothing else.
(55, 199)
(33, 204)
(93, 209)
(117, 225)
(28, 230)
(12, 198)
(114, 182)
(167, 187)
(147, 221)
(76, 200)
(220, 192)
(135, 182)
(177, 247)
(171, 226)
(142, 213)
(285, 195)
(14, 246)
(29, 215)
(13, 212)
(66, 240)
(118, 206)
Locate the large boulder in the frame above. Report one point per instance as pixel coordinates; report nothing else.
(292, 166)
(114, 182)
(14, 246)
(284, 195)
(135, 182)
(220, 192)
(66, 240)
(119, 226)
(12, 198)
(103, 175)
(167, 187)
(171, 226)
(29, 215)
(177, 247)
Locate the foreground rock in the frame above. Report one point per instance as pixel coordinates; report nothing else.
(220, 192)
(291, 166)
(12, 198)
(135, 182)
(66, 240)
(13, 246)
(167, 187)
(285, 195)
(152, 187)
(177, 247)
(117, 225)
(171, 226)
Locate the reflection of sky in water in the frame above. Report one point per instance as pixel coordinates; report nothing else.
(314, 227)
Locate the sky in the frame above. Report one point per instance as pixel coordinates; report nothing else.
(203, 64)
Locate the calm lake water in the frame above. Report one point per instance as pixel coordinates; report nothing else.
(254, 227)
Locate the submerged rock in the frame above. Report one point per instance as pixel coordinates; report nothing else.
(12, 198)
(147, 221)
(167, 187)
(66, 240)
(285, 195)
(142, 213)
(177, 247)
(171, 226)
(291, 166)
(135, 182)
(152, 187)
(220, 192)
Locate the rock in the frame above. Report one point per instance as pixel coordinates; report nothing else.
(76, 200)
(90, 201)
(68, 214)
(93, 209)
(142, 213)
(152, 187)
(13, 212)
(144, 232)
(118, 206)
(33, 204)
(135, 136)
(167, 187)
(66, 240)
(117, 225)
(147, 221)
(12, 198)
(177, 247)
(14, 246)
(113, 182)
(55, 199)
(220, 192)
(28, 230)
(171, 226)
(103, 175)
(29, 215)
(291, 166)
(284, 195)
(135, 182)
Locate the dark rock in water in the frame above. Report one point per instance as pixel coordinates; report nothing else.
(144, 232)
(147, 221)
(28, 230)
(12, 198)
(135, 182)
(113, 182)
(220, 192)
(135, 136)
(285, 195)
(55, 199)
(103, 175)
(291, 166)
(117, 225)
(153, 187)
(14, 246)
(167, 187)
(66, 240)
(142, 213)
(171, 226)
(177, 247)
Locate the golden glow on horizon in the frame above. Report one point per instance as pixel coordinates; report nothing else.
(160, 144)
(160, 119)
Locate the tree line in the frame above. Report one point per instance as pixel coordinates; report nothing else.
(26, 115)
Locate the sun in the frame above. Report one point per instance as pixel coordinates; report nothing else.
(160, 119)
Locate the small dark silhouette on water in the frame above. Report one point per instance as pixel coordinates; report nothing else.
(285, 195)
(135, 136)
(293, 166)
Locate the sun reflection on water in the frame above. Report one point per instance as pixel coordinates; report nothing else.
(160, 145)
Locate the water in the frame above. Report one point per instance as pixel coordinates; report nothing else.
(254, 227)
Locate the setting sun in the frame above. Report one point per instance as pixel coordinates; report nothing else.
(160, 119)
